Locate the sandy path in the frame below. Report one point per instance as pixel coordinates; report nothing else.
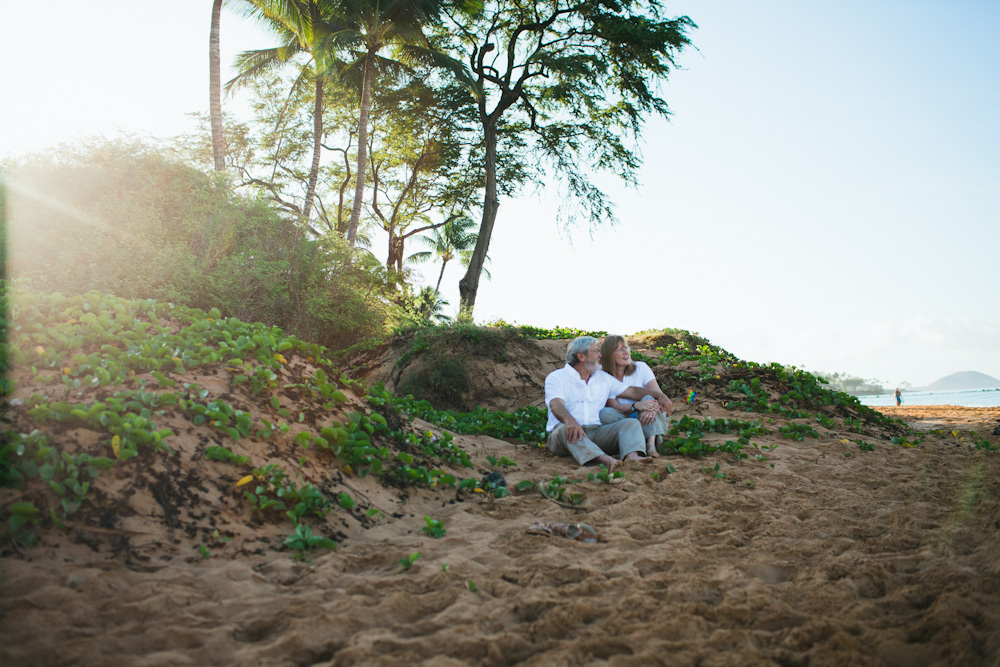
(890, 557)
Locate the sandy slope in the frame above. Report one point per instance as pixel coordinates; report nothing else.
(889, 557)
(818, 552)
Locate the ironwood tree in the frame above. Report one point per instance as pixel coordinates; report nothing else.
(574, 79)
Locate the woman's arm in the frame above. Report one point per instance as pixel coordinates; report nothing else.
(623, 408)
(651, 388)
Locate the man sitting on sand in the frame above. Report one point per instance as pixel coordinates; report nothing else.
(575, 395)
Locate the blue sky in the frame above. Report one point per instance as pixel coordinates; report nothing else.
(826, 194)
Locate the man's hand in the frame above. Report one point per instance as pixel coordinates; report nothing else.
(574, 432)
(665, 403)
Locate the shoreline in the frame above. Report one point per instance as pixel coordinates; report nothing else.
(929, 417)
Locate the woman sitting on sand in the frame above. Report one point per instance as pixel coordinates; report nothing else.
(616, 360)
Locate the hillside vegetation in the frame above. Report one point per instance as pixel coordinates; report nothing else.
(122, 405)
(181, 487)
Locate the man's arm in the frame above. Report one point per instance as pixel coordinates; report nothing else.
(574, 431)
(619, 406)
(636, 394)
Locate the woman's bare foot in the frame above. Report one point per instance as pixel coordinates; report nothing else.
(651, 447)
(634, 456)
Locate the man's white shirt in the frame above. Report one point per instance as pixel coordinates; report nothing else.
(583, 400)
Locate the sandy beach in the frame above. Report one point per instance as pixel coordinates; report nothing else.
(816, 552)
(930, 417)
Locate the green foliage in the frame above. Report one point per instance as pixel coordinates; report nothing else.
(981, 443)
(502, 462)
(801, 392)
(557, 333)
(825, 421)
(440, 358)
(694, 429)
(303, 541)
(23, 516)
(526, 424)
(408, 561)
(434, 528)
(131, 353)
(854, 425)
(714, 471)
(218, 453)
(795, 431)
(424, 307)
(574, 85)
(443, 380)
(454, 239)
(26, 457)
(126, 219)
(604, 476)
(555, 489)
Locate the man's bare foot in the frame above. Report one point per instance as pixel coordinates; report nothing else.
(634, 456)
(609, 461)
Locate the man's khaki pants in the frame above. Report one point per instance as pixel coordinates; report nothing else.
(616, 439)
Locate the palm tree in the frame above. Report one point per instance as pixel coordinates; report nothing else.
(215, 88)
(300, 25)
(426, 306)
(325, 28)
(450, 240)
(372, 25)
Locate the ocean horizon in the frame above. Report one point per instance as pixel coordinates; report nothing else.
(969, 398)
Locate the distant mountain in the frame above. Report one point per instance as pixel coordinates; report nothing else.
(964, 380)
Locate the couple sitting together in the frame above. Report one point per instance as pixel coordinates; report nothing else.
(596, 415)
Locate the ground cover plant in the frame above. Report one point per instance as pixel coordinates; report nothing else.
(109, 372)
(233, 455)
(118, 374)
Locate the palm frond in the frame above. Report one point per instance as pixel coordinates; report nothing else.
(252, 64)
(420, 257)
(291, 14)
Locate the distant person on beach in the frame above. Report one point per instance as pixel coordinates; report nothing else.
(899, 398)
(575, 395)
(616, 360)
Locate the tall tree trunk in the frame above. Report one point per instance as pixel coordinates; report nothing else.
(468, 286)
(395, 260)
(215, 89)
(317, 147)
(359, 188)
(437, 288)
(341, 226)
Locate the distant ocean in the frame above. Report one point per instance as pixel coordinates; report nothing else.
(970, 398)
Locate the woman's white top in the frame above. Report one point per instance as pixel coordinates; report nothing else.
(643, 374)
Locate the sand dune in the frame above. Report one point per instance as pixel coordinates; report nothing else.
(818, 552)
(890, 557)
